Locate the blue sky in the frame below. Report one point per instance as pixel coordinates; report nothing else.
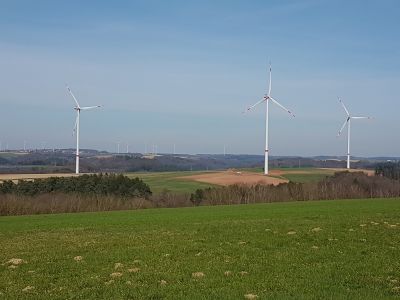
(183, 71)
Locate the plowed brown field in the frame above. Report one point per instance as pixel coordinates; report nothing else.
(230, 177)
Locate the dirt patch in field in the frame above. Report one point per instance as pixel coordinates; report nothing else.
(275, 177)
(228, 178)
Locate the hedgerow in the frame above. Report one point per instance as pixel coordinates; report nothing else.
(101, 184)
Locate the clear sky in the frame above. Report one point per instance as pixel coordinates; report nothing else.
(181, 72)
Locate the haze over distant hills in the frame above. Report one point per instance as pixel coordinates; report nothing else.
(62, 160)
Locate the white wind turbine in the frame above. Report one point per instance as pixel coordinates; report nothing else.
(118, 144)
(78, 109)
(348, 123)
(267, 97)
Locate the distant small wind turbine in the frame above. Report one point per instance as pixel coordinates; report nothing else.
(78, 109)
(348, 123)
(267, 97)
(118, 144)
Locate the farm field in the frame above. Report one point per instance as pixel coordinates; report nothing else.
(173, 181)
(10, 154)
(230, 177)
(331, 249)
(17, 177)
(188, 182)
(305, 174)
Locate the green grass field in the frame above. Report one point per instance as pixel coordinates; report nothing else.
(176, 182)
(302, 178)
(307, 174)
(11, 154)
(314, 250)
(172, 181)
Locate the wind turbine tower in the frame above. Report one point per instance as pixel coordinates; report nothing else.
(118, 143)
(348, 123)
(78, 110)
(267, 98)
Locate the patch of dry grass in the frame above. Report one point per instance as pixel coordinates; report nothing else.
(116, 274)
(250, 296)
(198, 275)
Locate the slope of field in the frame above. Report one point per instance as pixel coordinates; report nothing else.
(305, 174)
(317, 250)
(232, 177)
(173, 181)
(253, 176)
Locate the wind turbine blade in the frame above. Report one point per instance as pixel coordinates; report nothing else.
(344, 106)
(76, 101)
(281, 106)
(270, 79)
(361, 117)
(254, 105)
(344, 124)
(90, 107)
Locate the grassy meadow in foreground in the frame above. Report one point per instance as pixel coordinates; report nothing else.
(330, 249)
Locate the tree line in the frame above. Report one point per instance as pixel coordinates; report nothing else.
(343, 185)
(388, 169)
(96, 184)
